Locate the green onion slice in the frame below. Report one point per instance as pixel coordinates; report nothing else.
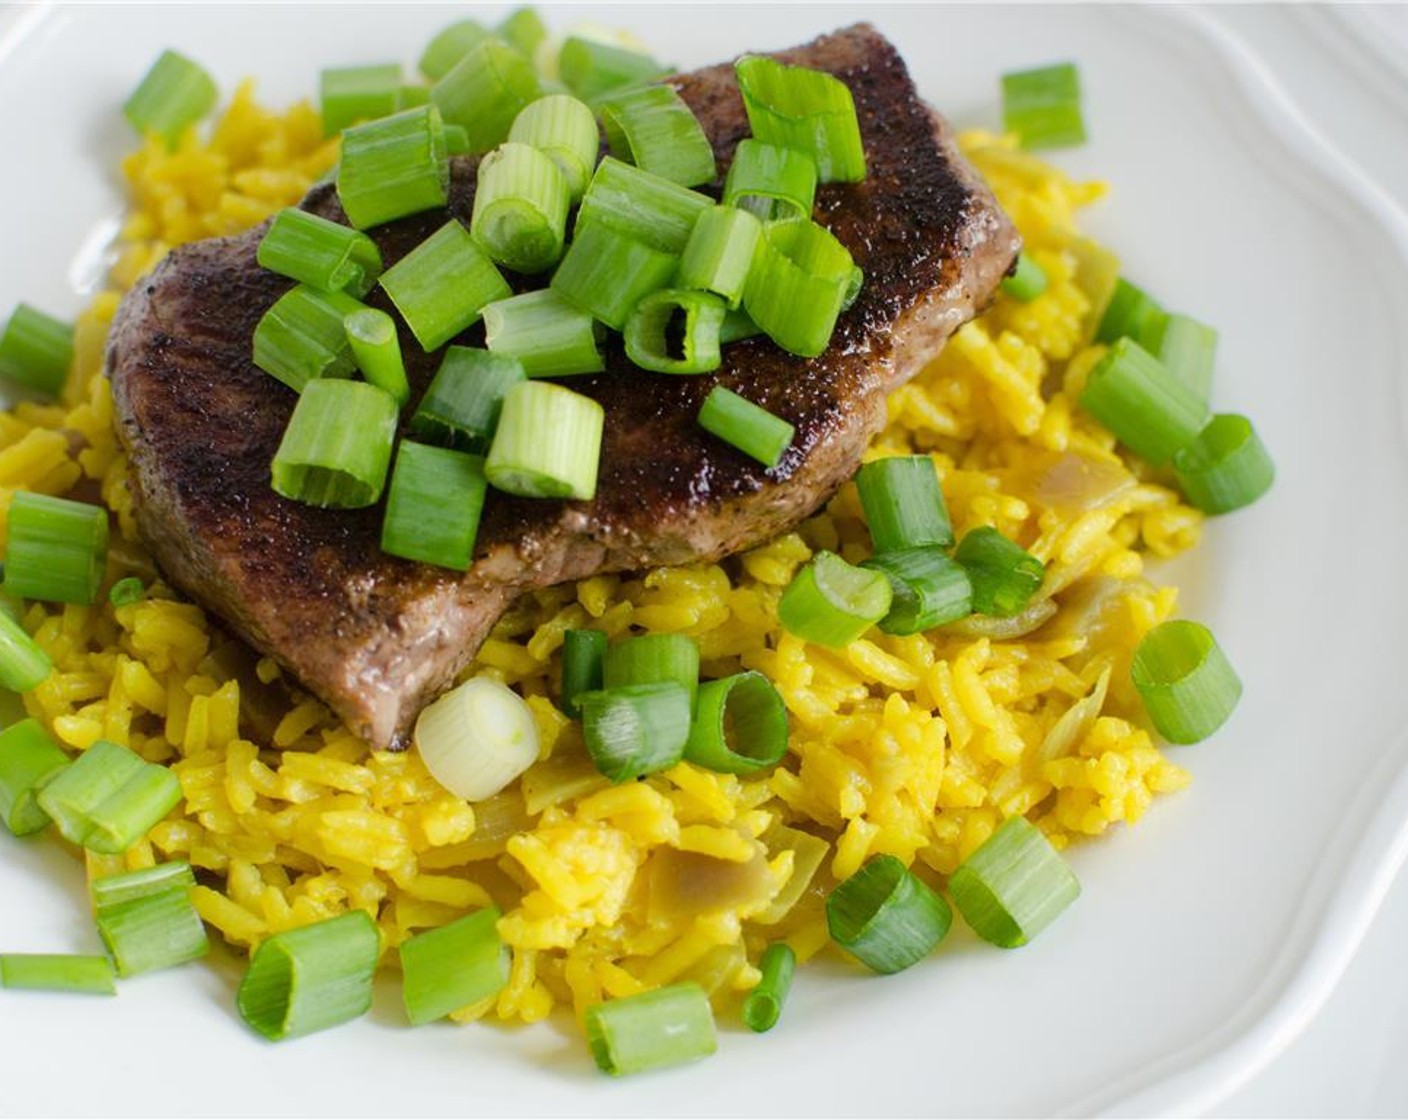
(453, 966)
(833, 603)
(442, 285)
(654, 129)
(351, 94)
(523, 29)
(652, 658)
(763, 1005)
(1148, 409)
(461, 407)
(449, 46)
(49, 972)
(433, 505)
(456, 141)
(605, 272)
(1042, 106)
(676, 331)
(564, 129)
(36, 350)
(740, 725)
(57, 550)
(583, 659)
(308, 979)
(413, 97)
(126, 591)
(1028, 280)
(1013, 886)
(477, 738)
(320, 253)
(302, 337)
(337, 447)
(737, 324)
(1187, 348)
(886, 917)
(719, 253)
(485, 90)
(927, 588)
(903, 503)
(807, 110)
(1188, 686)
(394, 167)
(28, 759)
(637, 729)
(749, 427)
(109, 798)
(1003, 574)
(1132, 313)
(521, 461)
(645, 206)
(520, 208)
(771, 182)
(798, 282)
(1226, 467)
(147, 920)
(663, 1027)
(592, 69)
(376, 348)
(546, 333)
(23, 663)
(174, 94)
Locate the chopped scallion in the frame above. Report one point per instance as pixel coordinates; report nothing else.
(1003, 574)
(337, 446)
(485, 90)
(107, 891)
(1132, 313)
(521, 461)
(808, 110)
(903, 503)
(302, 337)
(1149, 410)
(564, 129)
(637, 729)
(311, 978)
(523, 29)
(453, 966)
(23, 662)
(545, 332)
(1013, 886)
(1028, 279)
(461, 407)
(719, 253)
(1187, 348)
(520, 208)
(108, 798)
(799, 279)
(477, 738)
(126, 591)
(449, 46)
(36, 350)
(749, 427)
(51, 972)
(1188, 686)
(658, 1028)
(591, 68)
(927, 588)
(676, 331)
(433, 505)
(147, 920)
(393, 167)
(833, 603)
(57, 550)
(654, 129)
(771, 182)
(763, 1005)
(29, 758)
(1042, 106)
(349, 95)
(645, 206)
(887, 917)
(1226, 466)
(441, 286)
(376, 348)
(652, 658)
(583, 658)
(320, 253)
(174, 94)
(740, 725)
(606, 272)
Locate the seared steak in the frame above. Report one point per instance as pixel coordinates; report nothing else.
(377, 637)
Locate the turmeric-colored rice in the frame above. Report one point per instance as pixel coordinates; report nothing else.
(917, 746)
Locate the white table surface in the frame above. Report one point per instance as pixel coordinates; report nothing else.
(1347, 68)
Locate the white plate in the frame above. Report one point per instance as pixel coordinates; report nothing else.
(1205, 938)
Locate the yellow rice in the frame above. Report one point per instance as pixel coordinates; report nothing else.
(917, 746)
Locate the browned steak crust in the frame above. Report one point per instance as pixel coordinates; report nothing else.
(378, 637)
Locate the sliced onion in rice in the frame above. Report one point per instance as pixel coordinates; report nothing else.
(477, 738)
(1004, 629)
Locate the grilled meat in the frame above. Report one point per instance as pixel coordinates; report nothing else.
(376, 637)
